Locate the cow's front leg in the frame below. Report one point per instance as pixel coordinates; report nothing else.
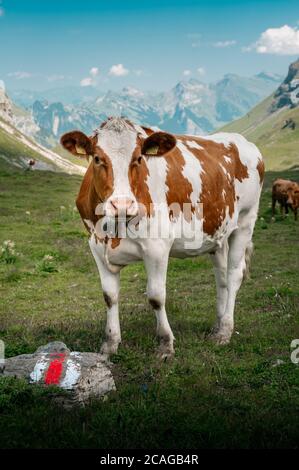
(113, 335)
(110, 286)
(156, 267)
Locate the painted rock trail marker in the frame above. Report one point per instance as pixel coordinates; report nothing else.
(82, 375)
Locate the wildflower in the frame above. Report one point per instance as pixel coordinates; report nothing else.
(8, 253)
(48, 258)
(9, 244)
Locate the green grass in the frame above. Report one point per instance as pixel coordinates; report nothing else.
(208, 396)
(279, 146)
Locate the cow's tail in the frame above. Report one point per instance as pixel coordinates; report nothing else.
(248, 254)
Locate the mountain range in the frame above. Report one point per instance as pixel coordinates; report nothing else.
(190, 107)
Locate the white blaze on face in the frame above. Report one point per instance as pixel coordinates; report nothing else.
(118, 140)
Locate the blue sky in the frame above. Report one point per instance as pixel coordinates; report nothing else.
(149, 45)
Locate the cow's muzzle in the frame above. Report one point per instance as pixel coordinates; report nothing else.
(122, 207)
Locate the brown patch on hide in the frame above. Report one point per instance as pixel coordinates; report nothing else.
(180, 187)
(218, 180)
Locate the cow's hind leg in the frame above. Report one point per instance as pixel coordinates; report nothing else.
(240, 246)
(156, 267)
(110, 286)
(219, 260)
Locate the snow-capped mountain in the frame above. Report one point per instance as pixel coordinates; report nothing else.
(190, 107)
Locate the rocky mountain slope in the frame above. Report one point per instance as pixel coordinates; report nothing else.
(16, 148)
(274, 124)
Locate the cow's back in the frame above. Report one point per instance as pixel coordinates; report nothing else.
(231, 175)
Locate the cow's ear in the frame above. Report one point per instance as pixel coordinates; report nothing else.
(78, 143)
(158, 144)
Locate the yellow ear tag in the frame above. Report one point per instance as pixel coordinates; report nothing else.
(80, 150)
(152, 150)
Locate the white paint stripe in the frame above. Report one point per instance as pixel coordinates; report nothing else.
(72, 374)
(39, 369)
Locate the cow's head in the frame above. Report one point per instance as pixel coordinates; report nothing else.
(293, 196)
(119, 151)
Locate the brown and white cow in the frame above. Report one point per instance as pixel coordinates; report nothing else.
(286, 193)
(136, 171)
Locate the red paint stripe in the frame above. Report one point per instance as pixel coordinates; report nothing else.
(54, 371)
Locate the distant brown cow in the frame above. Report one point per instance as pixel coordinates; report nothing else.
(286, 192)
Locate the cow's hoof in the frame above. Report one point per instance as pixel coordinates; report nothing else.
(109, 347)
(220, 338)
(165, 356)
(165, 352)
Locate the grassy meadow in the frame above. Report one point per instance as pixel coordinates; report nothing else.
(244, 395)
(278, 143)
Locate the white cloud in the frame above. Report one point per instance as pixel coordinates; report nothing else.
(92, 79)
(94, 71)
(280, 41)
(88, 81)
(138, 72)
(201, 71)
(187, 73)
(118, 70)
(19, 75)
(224, 43)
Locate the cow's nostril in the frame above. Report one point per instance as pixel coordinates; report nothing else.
(123, 205)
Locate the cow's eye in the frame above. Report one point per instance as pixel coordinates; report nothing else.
(139, 159)
(97, 159)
